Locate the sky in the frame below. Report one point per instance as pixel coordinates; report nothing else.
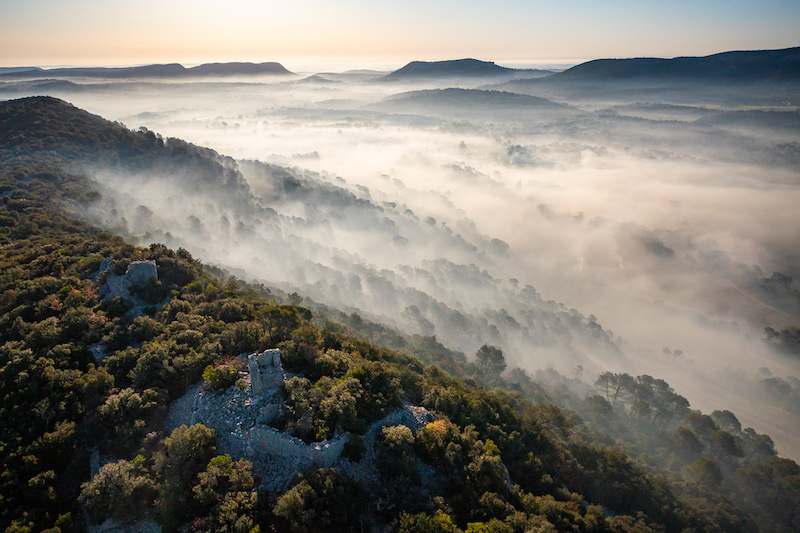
(383, 33)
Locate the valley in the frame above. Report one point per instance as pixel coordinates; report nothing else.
(589, 223)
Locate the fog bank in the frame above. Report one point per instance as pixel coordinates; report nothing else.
(605, 233)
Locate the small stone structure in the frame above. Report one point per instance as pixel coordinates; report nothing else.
(140, 273)
(266, 371)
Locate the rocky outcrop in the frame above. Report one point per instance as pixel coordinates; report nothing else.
(137, 275)
(146, 525)
(140, 273)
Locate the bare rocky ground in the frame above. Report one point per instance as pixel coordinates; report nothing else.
(147, 525)
(232, 413)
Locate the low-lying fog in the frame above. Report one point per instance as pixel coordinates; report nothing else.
(628, 236)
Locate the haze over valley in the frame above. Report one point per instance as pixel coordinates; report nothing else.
(636, 223)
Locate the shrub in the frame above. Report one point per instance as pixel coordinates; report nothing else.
(220, 377)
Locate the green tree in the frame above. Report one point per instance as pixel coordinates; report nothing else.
(704, 471)
(219, 377)
(323, 500)
(121, 490)
(486, 472)
(491, 359)
(396, 455)
(723, 443)
(224, 493)
(189, 449)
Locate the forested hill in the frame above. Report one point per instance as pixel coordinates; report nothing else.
(49, 130)
(758, 65)
(88, 374)
(46, 124)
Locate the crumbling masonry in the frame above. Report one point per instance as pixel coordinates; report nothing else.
(240, 416)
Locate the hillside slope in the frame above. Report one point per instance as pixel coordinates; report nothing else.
(87, 374)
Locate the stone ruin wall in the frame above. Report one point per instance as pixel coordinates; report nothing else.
(320, 454)
(266, 375)
(241, 418)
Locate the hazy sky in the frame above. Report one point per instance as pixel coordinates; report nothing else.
(104, 32)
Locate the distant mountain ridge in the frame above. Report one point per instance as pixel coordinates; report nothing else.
(737, 65)
(170, 70)
(453, 68)
(11, 70)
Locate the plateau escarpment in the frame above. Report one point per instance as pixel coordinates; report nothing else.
(166, 71)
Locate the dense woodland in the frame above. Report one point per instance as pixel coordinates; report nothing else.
(508, 451)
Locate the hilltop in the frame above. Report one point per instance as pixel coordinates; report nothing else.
(459, 97)
(457, 68)
(767, 78)
(757, 65)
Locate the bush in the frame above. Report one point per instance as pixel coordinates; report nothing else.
(220, 377)
(424, 523)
